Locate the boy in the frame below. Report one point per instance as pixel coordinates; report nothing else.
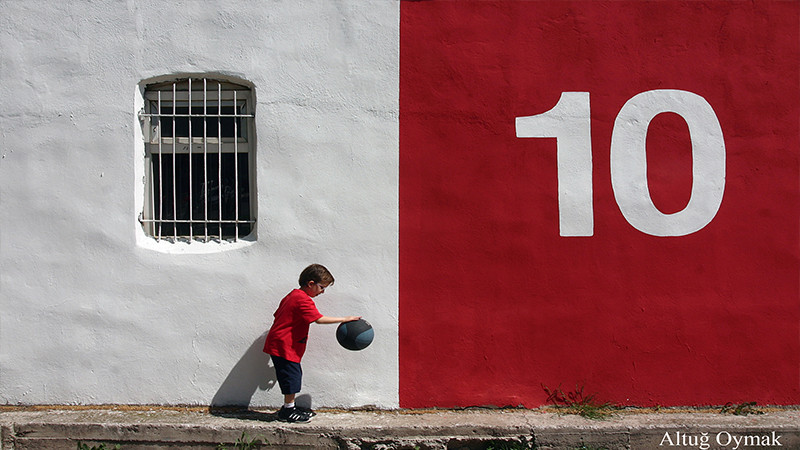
(286, 340)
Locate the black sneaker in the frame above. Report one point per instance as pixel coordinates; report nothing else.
(306, 410)
(293, 415)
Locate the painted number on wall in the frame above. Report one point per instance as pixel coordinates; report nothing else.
(569, 122)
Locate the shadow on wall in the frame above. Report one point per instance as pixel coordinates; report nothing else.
(253, 371)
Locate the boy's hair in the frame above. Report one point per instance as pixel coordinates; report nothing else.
(316, 273)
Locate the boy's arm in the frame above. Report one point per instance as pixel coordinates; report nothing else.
(327, 319)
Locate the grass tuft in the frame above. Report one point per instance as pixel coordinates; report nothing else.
(578, 403)
(244, 442)
(102, 446)
(742, 409)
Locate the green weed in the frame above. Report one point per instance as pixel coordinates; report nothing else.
(244, 442)
(82, 446)
(579, 403)
(501, 445)
(742, 409)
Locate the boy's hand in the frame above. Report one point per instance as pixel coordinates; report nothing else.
(351, 318)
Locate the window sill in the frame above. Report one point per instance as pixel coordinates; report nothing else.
(184, 247)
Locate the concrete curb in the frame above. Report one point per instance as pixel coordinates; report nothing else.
(333, 429)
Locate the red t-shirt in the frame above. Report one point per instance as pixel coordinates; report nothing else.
(289, 332)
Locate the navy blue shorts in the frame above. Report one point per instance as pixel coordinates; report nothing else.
(289, 373)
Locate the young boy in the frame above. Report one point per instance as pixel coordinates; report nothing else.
(286, 340)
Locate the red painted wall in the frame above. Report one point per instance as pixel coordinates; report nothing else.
(494, 303)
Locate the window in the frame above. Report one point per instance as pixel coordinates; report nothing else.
(199, 161)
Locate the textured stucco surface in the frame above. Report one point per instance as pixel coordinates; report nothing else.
(88, 314)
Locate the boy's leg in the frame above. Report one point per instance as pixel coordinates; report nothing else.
(290, 376)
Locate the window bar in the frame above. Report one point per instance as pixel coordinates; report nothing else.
(191, 144)
(160, 173)
(151, 178)
(219, 155)
(236, 166)
(205, 157)
(174, 191)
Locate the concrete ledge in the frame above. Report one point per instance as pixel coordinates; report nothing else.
(176, 428)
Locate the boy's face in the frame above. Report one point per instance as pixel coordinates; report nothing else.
(316, 288)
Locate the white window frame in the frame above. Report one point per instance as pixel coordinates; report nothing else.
(205, 218)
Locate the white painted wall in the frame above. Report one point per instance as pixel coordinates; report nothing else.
(89, 314)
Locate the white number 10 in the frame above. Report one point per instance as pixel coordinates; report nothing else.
(569, 122)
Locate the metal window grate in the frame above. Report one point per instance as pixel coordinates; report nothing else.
(198, 149)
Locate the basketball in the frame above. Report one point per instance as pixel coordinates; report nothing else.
(355, 335)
